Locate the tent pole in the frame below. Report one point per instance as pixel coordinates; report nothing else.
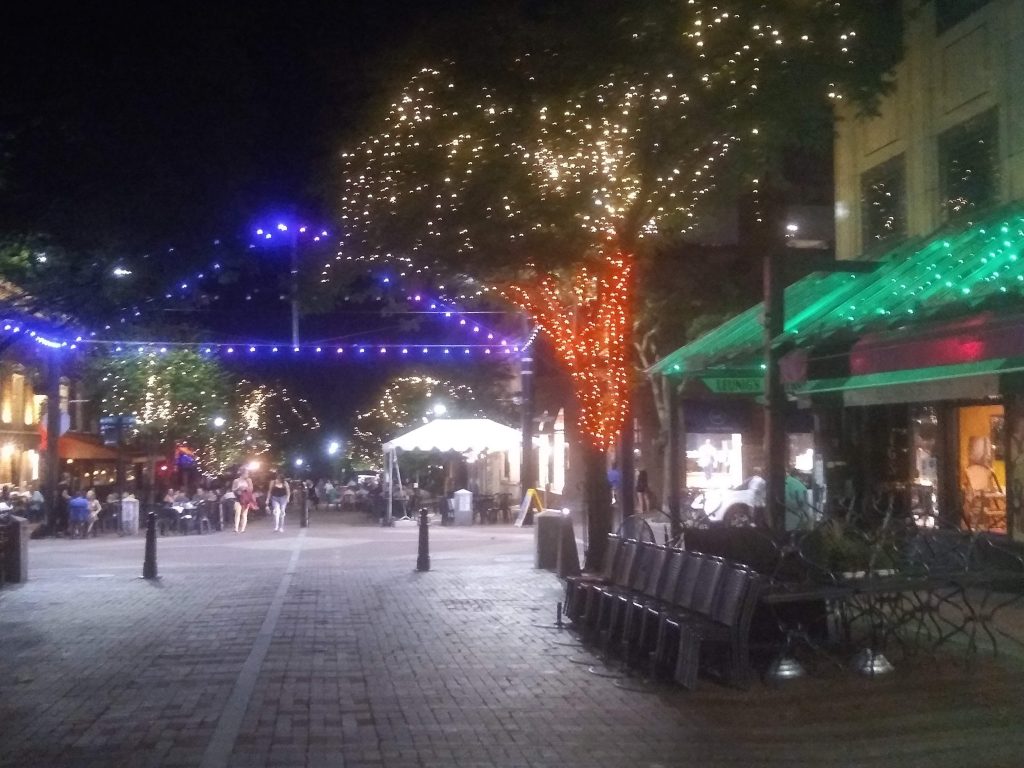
(390, 456)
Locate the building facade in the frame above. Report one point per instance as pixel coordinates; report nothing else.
(913, 374)
(948, 141)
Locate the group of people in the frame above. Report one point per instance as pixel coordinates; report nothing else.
(244, 498)
(641, 488)
(26, 501)
(83, 511)
(243, 491)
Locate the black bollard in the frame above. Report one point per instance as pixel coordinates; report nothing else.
(304, 518)
(149, 564)
(423, 558)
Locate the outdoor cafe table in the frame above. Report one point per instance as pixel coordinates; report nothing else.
(934, 606)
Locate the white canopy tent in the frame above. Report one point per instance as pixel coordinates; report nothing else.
(466, 436)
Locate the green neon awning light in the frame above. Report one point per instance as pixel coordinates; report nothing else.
(956, 271)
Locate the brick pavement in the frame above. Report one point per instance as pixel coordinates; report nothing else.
(325, 648)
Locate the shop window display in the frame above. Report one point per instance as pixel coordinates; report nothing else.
(982, 467)
(714, 460)
(924, 502)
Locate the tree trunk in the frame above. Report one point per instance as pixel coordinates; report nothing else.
(597, 504)
(647, 355)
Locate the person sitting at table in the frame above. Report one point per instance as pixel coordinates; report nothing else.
(78, 515)
(35, 505)
(94, 511)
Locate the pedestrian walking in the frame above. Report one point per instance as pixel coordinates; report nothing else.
(245, 500)
(279, 494)
(643, 492)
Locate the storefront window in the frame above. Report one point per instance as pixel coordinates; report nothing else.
(982, 464)
(925, 432)
(714, 460)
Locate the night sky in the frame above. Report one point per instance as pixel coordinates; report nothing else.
(169, 123)
(124, 134)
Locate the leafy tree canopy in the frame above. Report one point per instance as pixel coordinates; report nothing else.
(535, 149)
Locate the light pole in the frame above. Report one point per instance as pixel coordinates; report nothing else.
(292, 232)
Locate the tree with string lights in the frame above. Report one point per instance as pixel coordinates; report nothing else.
(547, 162)
(408, 400)
(174, 394)
(181, 396)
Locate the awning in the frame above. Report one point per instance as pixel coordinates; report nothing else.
(964, 381)
(460, 435)
(911, 376)
(956, 272)
(84, 448)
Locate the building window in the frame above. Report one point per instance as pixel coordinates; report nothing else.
(969, 166)
(883, 203)
(949, 13)
(17, 397)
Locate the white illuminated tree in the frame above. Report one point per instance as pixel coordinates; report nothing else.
(546, 171)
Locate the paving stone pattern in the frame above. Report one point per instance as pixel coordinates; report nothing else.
(325, 648)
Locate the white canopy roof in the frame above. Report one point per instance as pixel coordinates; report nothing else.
(457, 435)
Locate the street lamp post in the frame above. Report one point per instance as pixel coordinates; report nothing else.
(293, 287)
(293, 231)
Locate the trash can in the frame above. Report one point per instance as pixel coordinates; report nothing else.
(130, 517)
(546, 527)
(226, 513)
(463, 511)
(299, 504)
(15, 549)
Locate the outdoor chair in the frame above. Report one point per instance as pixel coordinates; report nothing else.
(690, 605)
(650, 560)
(591, 615)
(201, 516)
(728, 624)
(641, 620)
(483, 509)
(574, 585)
(166, 519)
(503, 508)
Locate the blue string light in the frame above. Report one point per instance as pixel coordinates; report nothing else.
(436, 306)
(314, 350)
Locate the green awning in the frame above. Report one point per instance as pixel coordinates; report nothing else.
(954, 272)
(911, 376)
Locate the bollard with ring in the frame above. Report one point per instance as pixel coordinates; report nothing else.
(423, 558)
(149, 564)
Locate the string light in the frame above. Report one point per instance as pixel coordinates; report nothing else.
(402, 404)
(601, 170)
(587, 320)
